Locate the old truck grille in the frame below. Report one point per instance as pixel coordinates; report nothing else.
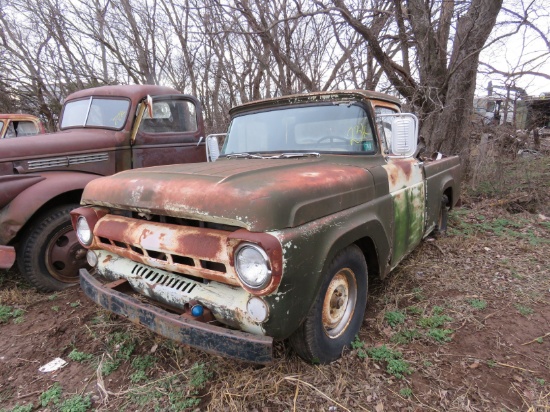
(198, 252)
(164, 279)
(168, 258)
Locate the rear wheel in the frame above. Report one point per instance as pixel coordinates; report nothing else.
(49, 254)
(337, 315)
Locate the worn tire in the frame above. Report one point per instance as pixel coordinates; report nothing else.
(330, 326)
(441, 226)
(49, 254)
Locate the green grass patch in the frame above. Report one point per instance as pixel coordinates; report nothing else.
(524, 310)
(440, 335)
(478, 304)
(414, 310)
(120, 346)
(52, 395)
(406, 392)
(406, 336)
(141, 364)
(77, 403)
(8, 313)
(434, 321)
(395, 365)
(394, 318)
(80, 356)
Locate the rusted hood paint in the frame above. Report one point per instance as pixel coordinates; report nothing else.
(259, 195)
(57, 144)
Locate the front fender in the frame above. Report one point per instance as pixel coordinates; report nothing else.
(309, 248)
(23, 207)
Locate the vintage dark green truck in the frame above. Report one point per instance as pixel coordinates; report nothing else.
(275, 240)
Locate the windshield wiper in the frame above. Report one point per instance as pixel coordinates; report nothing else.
(289, 155)
(279, 156)
(243, 156)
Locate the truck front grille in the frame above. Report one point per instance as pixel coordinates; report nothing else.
(168, 258)
(164, 279)
(198, 252)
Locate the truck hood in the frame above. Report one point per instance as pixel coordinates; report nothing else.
(58, 144)
(260, 195)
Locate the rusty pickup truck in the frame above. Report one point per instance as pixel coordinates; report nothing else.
(103, 130)
(274, 240)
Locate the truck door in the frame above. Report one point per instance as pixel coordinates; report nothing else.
(407, 189)
(169, 132)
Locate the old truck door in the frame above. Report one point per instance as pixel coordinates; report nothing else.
(169, 132)
(407, 189)
(406, 185)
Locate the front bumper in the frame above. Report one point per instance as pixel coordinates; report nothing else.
(7, 257)
(210, 338)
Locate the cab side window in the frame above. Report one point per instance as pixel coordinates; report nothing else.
(175, 116)
(26, 128)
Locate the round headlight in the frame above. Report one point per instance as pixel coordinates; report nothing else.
(83, 231)
(252, 265)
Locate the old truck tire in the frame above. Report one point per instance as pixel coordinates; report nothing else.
(441, 226)
(337, 314)
(49, 254)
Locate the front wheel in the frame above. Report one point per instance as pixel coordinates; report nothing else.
(337, 314)
(49, 254)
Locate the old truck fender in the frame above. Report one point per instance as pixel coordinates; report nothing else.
(317, 243)
(373, 240)
(21, 209)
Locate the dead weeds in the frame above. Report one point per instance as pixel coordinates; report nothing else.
(467, 314)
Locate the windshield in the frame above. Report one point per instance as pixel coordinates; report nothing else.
(96, 112)
(326, 128)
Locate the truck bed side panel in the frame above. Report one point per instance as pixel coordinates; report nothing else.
(441, 175)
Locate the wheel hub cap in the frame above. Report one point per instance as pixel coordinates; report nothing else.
(339, 302)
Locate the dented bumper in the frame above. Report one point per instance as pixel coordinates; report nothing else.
(210, 338)
(7, 257)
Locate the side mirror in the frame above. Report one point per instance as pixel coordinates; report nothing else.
(212, 147)
(404, 135)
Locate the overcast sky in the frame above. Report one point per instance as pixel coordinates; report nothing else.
(526, 50)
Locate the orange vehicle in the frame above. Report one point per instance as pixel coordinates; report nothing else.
(14, 125)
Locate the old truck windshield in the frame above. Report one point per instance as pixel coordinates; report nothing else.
(95, 112)
(320, 128)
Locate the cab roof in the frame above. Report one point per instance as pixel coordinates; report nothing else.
(315, 97)
(131, 91)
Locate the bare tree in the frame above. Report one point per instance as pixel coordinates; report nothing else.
(438, 82)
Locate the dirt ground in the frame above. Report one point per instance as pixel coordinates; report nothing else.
(463, 324)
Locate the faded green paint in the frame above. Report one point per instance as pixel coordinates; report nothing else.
(408, 206)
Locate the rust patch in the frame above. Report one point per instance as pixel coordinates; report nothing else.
(184, 249)
(7, 257)
(405, 165)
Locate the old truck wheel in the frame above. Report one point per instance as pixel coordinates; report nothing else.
(441, 227)
(49, 254)
(338, 311)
